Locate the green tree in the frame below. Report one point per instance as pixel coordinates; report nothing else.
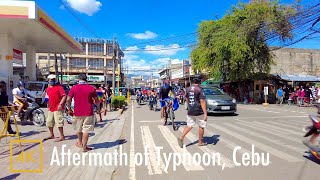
(235, 48)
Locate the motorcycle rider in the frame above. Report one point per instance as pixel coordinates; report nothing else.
(138, 94)
(19, 99)
(152, 94)
(164, 94)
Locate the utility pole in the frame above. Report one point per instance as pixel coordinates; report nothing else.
(56, 66)
(61, 68)
(114, 47)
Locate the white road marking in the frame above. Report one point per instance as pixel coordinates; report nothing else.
(149, 121)
(149, 143)
(260, 128)
(272, 110)
(279, 128)
(274, 141)
(287, 110)
(284, 125)
(132, 165)
(259, 145)
(172, 140)
(223, 159)
(263, 110)
(231, 145)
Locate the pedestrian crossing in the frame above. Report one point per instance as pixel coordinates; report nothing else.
(282, 139)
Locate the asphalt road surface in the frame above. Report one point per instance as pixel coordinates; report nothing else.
(257, 143)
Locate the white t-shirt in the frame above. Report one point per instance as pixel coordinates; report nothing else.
(17, 91)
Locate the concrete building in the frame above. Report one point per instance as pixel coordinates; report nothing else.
(26, 30)
(293, 61)
(153, 82)
(137, 81)
(95, 60)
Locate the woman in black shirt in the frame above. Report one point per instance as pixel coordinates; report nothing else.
(4, 102)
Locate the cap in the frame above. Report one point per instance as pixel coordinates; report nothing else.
(197, 78)
(51, 76)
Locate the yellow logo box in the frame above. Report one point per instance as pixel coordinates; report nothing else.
(26, 157)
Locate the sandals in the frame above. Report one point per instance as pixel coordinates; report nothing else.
(203, 144)
(87, 149)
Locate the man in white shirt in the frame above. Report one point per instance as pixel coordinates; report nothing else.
(19, 99)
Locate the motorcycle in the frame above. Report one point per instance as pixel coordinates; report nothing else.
(153, 103)
(139, 98)
(32, 113)
(313, 130)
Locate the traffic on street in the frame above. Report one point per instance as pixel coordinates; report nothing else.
(148, 90)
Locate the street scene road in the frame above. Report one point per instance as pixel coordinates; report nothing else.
(276, 130)
(86, 86)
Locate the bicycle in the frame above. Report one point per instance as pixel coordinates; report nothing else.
(169, 112)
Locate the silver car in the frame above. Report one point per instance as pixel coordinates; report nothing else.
(218, 101)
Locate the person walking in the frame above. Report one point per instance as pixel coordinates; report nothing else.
(280, 94)
(307, 96)
(197, 111)
(56, 104)
(108, 94)
(100, 94)
(84, 97)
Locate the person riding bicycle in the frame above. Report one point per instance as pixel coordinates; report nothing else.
(19, 99)
(164, 95)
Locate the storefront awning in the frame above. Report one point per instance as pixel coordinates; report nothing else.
(300, 78)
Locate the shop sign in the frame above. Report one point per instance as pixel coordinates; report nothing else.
(17, 55)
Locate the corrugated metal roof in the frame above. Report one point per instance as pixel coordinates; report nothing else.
(300, 78)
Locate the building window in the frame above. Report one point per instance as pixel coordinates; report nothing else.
(96, 49)
(109, 63)
(83, 48)
(78, 62)
(43, 57)
(96, 63)
(109, 50)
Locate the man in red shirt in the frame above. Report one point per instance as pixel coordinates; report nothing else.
(56, 103)
(84, 97)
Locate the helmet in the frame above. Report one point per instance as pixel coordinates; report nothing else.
(51, 76)
(20, 83)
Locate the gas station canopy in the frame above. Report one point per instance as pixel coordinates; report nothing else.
(27, 25)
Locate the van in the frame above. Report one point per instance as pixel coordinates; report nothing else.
(36, 88)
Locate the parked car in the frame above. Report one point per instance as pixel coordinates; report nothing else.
(218, 101)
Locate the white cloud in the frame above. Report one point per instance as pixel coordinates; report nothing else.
(145, 35)
(162, 62)
(164, 50)
(88, 7)
(136, 65)
(131, 49)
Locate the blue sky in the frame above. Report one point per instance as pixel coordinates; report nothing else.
(137, 21)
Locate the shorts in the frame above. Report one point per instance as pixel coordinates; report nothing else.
(191, 121)
(163, 103)
(55, 119)
(108, 100)
(83, 124)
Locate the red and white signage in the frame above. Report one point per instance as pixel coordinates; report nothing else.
(17, 55)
